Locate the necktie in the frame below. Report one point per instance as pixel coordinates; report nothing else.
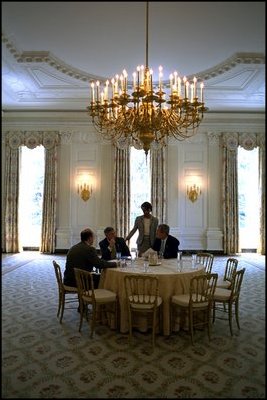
(162, 247)
(113, 252)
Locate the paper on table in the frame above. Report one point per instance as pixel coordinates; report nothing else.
(147, 252)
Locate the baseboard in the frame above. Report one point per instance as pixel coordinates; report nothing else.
(64, 251)
(248, 250)
(215, 252)
(61, 251)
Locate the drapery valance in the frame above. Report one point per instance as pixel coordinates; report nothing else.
(32, 139)
(231, 140)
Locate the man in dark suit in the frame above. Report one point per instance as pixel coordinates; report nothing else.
(112, 245)
(84, 256)
(165, 244)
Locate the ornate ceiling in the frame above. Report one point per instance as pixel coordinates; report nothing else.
(51, 50)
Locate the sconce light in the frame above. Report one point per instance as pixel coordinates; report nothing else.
(193, 191)
(85, 188)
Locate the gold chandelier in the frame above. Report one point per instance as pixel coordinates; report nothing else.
(146, 118)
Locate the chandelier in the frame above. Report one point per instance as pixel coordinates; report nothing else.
(145, 117)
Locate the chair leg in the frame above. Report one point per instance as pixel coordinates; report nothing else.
(160, 319)
(213, 312)
(62, 306)
(237, 313)
(191, 320)
(230, 317)
(116, 316)
(59, 303)
(171, 317)
(130, 327)
(81, 314)
(154, 327)
(208, 316)
(93, 320)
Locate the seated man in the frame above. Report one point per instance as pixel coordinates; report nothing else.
(165, 244)
(112, 245)
(84, 256)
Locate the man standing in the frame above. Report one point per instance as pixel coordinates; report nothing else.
(84, 256)
(165, 244)
(112, 245)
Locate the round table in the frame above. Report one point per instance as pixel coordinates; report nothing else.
(171, 281)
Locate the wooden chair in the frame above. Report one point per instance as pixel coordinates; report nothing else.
(207, 260)
(142, 292)
(64, 291)
(230, 269)
(224, 299)
(197, 303)
(99, 299)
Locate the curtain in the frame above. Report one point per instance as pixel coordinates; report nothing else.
(231, 141)
(14, 140)
(158, 183)
(230, 196)
(48, 232)
(121, 191)
(262, 195)
(11, 238)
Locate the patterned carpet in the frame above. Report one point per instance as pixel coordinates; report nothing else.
(43, 359)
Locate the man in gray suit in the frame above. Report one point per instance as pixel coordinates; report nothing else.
(84, 256)
(147, 226)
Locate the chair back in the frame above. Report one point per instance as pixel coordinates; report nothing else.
(212, 282)
(58, 275)
(230, 269)
(207, 260)
(202, 289)
(236, 284)
(142, 290)
(85, 283)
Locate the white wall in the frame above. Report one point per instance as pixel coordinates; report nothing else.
(197, 225)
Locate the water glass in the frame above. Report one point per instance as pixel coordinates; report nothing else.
(118, 255)
(194, 260)
(146, 265)
(179, 261)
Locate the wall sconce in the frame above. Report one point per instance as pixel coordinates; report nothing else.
(193, 191)
(85, 188)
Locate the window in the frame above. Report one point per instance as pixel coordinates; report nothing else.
(31, 196)
(248, 199)
(140, 186)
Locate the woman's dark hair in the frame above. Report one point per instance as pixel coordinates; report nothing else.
(146, 206)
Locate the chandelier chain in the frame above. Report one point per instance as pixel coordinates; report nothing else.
(145, 118)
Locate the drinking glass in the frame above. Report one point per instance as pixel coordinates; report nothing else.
(194, 260)
(179, 261)
(146, 265)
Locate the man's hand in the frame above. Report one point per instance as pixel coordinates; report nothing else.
(112, 242)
